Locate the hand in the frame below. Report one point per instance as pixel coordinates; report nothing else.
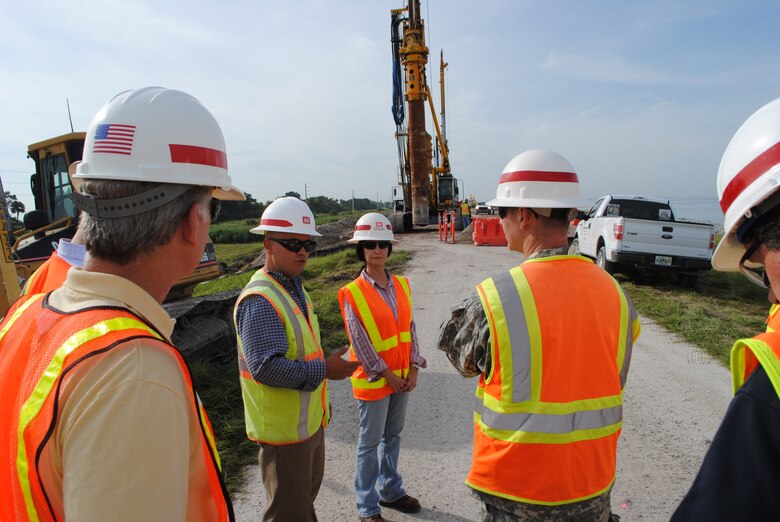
(411, 379)
(336, 368)
(396, 383)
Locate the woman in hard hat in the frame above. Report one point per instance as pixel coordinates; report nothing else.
(377, 312)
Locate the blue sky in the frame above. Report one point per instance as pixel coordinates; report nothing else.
(641, 97)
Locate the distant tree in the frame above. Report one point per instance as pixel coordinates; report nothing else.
(293, 194)
(323, 205)
(14, 205)
(248, 209)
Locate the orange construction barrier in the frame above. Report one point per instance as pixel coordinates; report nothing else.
(447, 226)
(487, 231)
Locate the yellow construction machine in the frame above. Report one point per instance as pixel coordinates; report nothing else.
(425, 188)
(55, 216)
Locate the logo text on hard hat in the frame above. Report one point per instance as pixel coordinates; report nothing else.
(378, 224)
(306, 220)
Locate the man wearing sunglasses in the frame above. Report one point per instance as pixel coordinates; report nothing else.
(551, 340)
(739, 477)
(283, 367)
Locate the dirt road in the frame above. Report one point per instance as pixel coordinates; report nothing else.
(674, 400)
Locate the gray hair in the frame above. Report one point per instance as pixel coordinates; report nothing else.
(122, 240)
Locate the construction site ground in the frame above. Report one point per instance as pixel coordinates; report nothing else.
(674, 400)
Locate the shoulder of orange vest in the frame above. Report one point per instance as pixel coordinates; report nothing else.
(766, 348)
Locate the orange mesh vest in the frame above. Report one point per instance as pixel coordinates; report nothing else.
(549, 410)
(390, 337)
(750, 362)
(747, 354)
(38, 346)
(50, 275)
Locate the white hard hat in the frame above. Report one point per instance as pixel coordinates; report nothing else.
(748, 175)
(373, 227)
(538, 179)
(157, 135)
(287, 214)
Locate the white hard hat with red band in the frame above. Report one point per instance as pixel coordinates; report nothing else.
(158, 135)
(288, 214)
(373, 227)
(538, 179)
(748, 177)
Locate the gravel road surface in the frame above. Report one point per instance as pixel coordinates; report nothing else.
(674, 400)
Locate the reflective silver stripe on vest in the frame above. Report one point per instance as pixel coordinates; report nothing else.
(548, 423)
(632, 315)
(518, 336)
(303, 415)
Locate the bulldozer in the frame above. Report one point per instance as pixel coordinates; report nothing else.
(203, 324)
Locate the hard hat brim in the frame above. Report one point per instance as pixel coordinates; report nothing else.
(354, 241)
(538, 203)
(728, 254)
(263, 229)
(229, 194)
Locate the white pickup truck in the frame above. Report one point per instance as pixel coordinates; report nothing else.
(643, 232)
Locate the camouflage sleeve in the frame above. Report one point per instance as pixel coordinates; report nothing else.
(465, 338)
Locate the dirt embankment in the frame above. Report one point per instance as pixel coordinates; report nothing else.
(674, 400)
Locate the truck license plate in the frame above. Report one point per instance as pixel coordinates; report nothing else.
(663, 260)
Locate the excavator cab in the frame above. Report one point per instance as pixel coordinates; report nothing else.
(56, 216)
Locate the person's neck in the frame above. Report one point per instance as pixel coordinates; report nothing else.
(537, 244)
(151, 277)
(377, 273)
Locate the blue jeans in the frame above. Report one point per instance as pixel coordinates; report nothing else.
(379, 444)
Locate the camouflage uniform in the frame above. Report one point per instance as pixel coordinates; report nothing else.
(465, 338)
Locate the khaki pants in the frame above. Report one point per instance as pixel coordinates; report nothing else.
(292, 475)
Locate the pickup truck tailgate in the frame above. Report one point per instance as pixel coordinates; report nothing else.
(679, 239)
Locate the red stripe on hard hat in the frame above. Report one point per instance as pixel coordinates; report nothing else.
(198, 155)
(539, 175)
(752, 171)
(362, 227)
(276, 222)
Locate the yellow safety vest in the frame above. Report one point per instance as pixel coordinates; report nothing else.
(282, 415)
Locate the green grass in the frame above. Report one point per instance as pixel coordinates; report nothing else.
(217, 382)
(723, 307)
(234, 232)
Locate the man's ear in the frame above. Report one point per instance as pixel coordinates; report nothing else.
(190, 223)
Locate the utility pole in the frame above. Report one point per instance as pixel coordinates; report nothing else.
(377, 200)
(305, 192)
(353, 200)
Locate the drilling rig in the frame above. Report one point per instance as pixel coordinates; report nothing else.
(425, 188)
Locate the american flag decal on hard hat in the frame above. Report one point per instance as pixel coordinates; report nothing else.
(114, 138)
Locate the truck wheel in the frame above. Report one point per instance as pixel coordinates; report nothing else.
(574, 247)
(687, 280)
(603, 262)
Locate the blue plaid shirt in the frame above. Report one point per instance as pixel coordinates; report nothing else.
(265, 341)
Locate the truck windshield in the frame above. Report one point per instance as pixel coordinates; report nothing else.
(640, 209)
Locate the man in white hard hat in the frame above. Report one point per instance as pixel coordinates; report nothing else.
(551, 341)
(739, 477)
(100, 418)
(283, 367)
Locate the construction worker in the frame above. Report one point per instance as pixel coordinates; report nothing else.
(739, 476)
(100, 417)
(551, 340)
(283, 367)
(465, 213)
(377, 312)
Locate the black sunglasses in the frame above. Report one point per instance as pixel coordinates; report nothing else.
(295, 245)
(502, 211)
(371, 245)
(214, 206)
(756, 275)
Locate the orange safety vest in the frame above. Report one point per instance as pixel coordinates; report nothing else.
(390, 337)
(38, 346)
(747, 354)
(750, 362)
(549, 409)
(50, 275)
